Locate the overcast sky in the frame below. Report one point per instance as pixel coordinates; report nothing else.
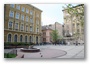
(51, 13)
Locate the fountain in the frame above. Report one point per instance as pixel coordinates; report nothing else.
(30, 49)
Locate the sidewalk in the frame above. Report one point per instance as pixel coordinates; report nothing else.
(75, 52)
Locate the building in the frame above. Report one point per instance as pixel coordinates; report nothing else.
(22, 23)
(72, 24)
(58, 27)
(46, 34)
(47, 29)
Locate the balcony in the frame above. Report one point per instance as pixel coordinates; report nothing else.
(68, 35)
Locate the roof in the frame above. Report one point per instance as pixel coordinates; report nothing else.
(58, 23)
(34, 7)
(46, 28)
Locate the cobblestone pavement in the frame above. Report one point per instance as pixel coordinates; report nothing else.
(56, 51)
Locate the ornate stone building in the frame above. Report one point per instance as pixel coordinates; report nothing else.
(22, 23)
(72, 23)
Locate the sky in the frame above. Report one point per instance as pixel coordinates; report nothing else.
(51, 13)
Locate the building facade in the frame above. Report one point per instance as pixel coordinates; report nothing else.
(58, 27)
(46, 34)
(47, 30)
(22, 23)
(72, 23)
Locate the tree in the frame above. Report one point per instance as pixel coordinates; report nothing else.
(55, 36)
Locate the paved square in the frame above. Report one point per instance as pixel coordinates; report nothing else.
(56, 51)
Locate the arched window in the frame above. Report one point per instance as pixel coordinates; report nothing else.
(21, 38)
(37, 40)
(30, 39)
(25, 38)
(15, 38)
(9, 37)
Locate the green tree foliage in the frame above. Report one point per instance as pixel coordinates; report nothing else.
(55, 35)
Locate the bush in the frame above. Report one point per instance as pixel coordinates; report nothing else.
(17, 44)
(9, 55)
(6, 43)
(31, 43)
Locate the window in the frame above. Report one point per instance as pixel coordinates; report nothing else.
(17, 15)
(44, 39)
(26, 28)
(22, 26)
(31, 13)
(37, 40)
(67, 32)
(27, 11)
(12, 5)
(31, 39)
(27, 18)
(44, 33)
(16, 25)
(21, 38)
(11, 14)
(9, 37)
(10, 24)
(18, 7)
(25, 38)
(23, 9)
(30, 28)
(15, 38)
(31, 20)
(73, 25)
(37, 30)
(78, 30)
(77, 24)
(22, 17)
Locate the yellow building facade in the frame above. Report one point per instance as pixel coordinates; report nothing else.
(22, 23)
(72, 23)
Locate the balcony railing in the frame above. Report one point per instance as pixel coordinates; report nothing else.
(68, 35)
